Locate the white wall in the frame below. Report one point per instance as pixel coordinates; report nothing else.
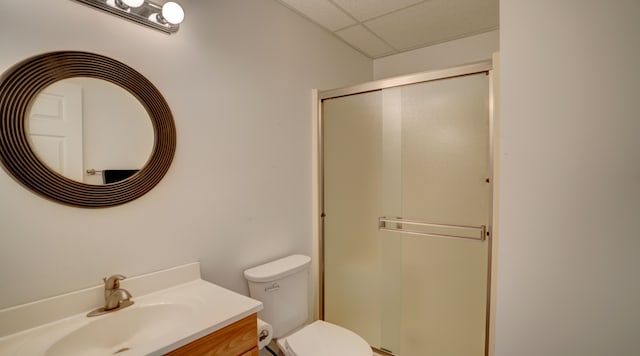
(238, 77)
(449, 54)
(569, 252)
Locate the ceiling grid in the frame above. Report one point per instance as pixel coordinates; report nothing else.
(379, 28)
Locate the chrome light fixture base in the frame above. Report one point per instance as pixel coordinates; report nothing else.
(148, 14)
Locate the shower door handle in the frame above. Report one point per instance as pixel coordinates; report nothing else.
(413, 227)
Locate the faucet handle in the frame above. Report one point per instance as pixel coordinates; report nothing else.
(113, 282)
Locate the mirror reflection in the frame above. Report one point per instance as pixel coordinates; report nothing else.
(90, 130)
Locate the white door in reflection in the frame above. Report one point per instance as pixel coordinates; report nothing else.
(55, 128)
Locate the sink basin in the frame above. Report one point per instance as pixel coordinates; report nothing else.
(123, 331)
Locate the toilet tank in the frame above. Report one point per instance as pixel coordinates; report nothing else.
(282, 286)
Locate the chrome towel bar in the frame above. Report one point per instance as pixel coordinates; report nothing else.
(398, 225)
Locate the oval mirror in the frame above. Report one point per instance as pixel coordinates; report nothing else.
(22, 157)
(90, 130)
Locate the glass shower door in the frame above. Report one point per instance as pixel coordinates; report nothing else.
(416, 153)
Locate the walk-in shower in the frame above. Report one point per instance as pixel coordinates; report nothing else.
(406, 200)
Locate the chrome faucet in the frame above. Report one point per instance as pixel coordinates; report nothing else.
(115, 298)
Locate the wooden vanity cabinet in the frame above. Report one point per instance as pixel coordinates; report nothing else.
(237, 339)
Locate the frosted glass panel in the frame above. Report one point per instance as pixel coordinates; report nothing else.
(445, 164)
(445, 150)
(352, 180)
(420, 152)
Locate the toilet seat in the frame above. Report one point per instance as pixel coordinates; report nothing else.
(321, 338)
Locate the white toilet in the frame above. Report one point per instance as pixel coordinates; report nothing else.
(282, 287)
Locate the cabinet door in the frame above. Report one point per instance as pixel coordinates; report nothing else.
(253, 352)
(239, 338)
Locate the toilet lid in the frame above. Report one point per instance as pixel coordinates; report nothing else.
(321, 339)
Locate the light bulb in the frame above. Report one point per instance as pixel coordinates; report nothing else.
(133, 3)
(172, 13)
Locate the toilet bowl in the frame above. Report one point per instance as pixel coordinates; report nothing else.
(321, 338)
(283, 288)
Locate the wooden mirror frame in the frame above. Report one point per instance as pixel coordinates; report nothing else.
(19, 86)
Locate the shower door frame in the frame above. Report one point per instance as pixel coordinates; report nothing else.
(423, 77)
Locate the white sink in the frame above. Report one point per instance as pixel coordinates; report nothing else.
(156, 324)
(124, 330)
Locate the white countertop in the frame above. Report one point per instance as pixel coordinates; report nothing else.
(185, 313)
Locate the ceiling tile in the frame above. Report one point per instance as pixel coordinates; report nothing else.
(365, 10)
(436, 21)
(360, 38)
(322, 12)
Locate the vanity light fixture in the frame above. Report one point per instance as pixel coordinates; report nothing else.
(166, 17)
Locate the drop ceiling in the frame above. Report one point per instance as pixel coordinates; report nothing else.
(379, 28)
